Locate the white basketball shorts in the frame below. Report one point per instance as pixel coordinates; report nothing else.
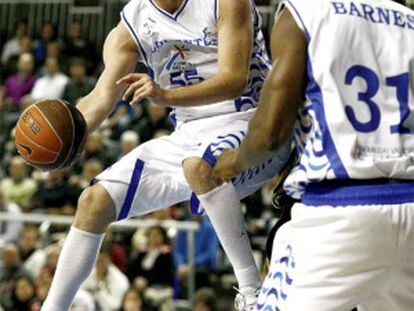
(151, 176)
(336, 258)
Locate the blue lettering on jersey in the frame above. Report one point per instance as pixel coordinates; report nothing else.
(376, 15)
(209, 39)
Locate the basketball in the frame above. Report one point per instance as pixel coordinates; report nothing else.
(50, 134)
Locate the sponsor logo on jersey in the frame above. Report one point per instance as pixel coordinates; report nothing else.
(178, 58)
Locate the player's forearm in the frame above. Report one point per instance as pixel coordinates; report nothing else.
(272, 123)
(95, 108)
(220, 87)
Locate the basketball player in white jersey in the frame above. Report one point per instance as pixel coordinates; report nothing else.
(207, 60)
(351, 239)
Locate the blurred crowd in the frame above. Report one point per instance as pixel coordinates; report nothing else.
(142, 270)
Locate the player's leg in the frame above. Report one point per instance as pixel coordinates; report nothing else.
(223, 207)
(95, 212)
(329, 259)
(139, 183)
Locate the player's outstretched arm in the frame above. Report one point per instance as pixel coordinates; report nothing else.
(235, 39)
(282, 93)
(120, 56)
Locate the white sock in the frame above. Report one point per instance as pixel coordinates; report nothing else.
(75, 263)
(224, 210)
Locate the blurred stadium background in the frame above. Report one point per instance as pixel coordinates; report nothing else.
(52, 48)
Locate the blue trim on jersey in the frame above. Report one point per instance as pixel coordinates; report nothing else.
(132, 189)
(144, 55)
(301, 20)
(314, 94)
(172, 16)
(209, 157)
(358, 192)
(194, 204)
(216, 9)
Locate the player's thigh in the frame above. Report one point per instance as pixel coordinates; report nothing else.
(147, 179)
(328, 259)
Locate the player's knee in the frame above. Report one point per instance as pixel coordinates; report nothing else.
(199, 175)
(95, 211)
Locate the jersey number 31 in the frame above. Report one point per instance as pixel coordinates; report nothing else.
(400, 82)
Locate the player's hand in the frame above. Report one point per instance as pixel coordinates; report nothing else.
(226, 166)
(142, 86)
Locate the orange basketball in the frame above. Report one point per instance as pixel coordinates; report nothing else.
(50, 134)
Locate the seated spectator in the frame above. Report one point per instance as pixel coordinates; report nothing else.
(79, 84)
(129, 141)
(23, 294)
(205, 300)
(54, 195)
(22, 82)
(106, 283)
(43, 261)
(9, 231)
(19, 187)
(11, 267)
(155, 118)
(132, 301)
(42, 285)
(206, 250)
(52, 85)
(28, 241)
(152, 271)
(78, 46)
(48, 34)
(90, 169)
(12, 46)
(11, 67)
(97, 147)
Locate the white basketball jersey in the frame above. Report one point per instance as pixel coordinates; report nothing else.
(358, 120)
(180, 49)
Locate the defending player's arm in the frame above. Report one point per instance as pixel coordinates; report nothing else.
(280, 98)
(120, 57)
(235, 36)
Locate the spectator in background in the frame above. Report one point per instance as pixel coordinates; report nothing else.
(107, 284)
(129, 141)
(155, 118)
(96, 147)
(48, 34)
(11, 268)
(206, 249)
(90, 169)
(23, 294)
(52, 85)
(28, 242)
(152, 271)
(22, 82)
(9, 231)
(12, 46)
(18, 188)
(132, 301)
(79, 84)
(25, 46)
(77, 46)
(205, 300)
(54, 195)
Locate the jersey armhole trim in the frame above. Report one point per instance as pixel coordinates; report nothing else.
(216, 9)
(138, 43)
(295, 13)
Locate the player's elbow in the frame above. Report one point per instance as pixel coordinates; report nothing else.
(236, 85)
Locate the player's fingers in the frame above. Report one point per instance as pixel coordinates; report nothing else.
(140, 95)
(132, 77)
(134, 87)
